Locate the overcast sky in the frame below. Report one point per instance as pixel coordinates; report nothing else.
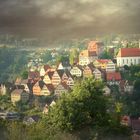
(66, 19)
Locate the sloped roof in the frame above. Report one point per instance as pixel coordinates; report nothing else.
(65, 85)
(68, 73)
(93, 43)
(46, 67)
(113, 76)
(50, 87)
(33, 74)
(60, 72)
(39, 83)
(79, 67)
(129, 52)
(91, 66)
(50, 74)
(103, 60)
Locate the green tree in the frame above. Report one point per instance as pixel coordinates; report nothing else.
(106, 55)
(85, 105)
(24, 75)
(46, 56)
(73, 55)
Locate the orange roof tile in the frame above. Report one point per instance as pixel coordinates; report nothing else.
(129, 52)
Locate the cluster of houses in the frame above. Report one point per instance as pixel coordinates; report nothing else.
(47, 80)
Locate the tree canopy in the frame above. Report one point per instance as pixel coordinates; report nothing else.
(85, 105)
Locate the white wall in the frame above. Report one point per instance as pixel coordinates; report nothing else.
(121, 61)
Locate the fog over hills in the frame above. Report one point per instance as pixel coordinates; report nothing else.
(58, 20)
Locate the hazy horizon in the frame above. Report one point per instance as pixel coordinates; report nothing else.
(60, 20)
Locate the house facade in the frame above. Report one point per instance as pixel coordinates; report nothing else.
(76, 71)
(110, 67)
(88, 71)
(128, 56)
(61, 88)
(113, 78)
(56, 78)
(95, 46)
(86, 57)
(70, 82)
(97, 74)
(48, 78)
(47, 90)
(101, 63)
(37, 88)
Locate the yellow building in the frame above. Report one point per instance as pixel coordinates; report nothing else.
(101, 63)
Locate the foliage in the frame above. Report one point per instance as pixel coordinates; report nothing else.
(131, 73)
(106, 55)
(85, 105)
(5, 102)
(12, 62)
(46, 56)
(24, 75)
(73, 55)
(62, 58)
(126, 67)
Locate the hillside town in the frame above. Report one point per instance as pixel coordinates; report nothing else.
(43, 84)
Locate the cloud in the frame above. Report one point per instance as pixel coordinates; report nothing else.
(57, 20)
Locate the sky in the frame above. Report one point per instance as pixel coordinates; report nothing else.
(67, 19)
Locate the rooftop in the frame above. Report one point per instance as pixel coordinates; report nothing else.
(129, 52)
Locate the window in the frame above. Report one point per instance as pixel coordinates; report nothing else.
(123, 61)
(127, 61)
(134, 61)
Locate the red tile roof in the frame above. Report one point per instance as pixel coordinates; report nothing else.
(113, 76)
(104, 60)
(129, 52)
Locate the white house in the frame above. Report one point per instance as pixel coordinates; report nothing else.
(110, 66)
(128, 56)
(76, 71)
